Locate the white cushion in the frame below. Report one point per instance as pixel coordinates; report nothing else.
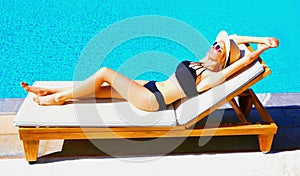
(87, 113)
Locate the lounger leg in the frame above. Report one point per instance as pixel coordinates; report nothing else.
(265, 142)
(245, 102)
(260, 108)
(238, 111)
(31, 148)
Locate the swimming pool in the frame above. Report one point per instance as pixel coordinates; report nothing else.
(45, 40)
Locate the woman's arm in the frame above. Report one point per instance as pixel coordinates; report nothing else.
(247, 39)
(244, 61)
(211, 79)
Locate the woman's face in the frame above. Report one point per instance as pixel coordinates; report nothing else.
(217, 51)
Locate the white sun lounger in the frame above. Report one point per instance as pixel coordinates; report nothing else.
(102, 119)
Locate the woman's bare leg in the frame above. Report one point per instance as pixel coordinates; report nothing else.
(128, 89)
(105, 91)
(40, 91)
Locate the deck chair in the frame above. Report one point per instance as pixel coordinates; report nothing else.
(112, 119)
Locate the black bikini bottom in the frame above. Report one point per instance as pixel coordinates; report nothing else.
(159, 97)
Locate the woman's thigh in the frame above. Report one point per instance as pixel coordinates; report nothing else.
(142, 98)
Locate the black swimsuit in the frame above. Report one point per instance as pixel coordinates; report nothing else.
(159, 97)
(186, 77)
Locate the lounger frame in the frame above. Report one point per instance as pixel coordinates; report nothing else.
(265, 131)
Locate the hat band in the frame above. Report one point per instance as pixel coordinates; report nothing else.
(228, 61)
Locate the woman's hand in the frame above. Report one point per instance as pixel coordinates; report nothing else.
(268, 43)
(271, 42)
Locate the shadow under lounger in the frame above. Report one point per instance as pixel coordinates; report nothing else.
(109, 118)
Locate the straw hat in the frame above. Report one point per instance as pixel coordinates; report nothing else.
(234, 53)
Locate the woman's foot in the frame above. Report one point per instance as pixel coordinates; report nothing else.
(49, 100)
(37, 90)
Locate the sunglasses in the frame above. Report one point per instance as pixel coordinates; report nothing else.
(217, 47)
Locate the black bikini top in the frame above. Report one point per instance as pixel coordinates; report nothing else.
(187, 76)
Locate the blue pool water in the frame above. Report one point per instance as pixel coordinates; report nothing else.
(44, 40)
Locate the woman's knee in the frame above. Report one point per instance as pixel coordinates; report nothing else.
(102, 70)
(104, 73)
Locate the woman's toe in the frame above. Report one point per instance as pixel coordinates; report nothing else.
(35, 99)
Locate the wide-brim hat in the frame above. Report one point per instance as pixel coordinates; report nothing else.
(232, 49)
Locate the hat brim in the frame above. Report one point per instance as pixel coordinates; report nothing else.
(223, 35)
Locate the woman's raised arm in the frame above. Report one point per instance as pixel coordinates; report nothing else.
(246, 60)
(270, 41)
(212, 79)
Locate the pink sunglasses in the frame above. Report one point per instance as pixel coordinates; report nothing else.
(217, 47)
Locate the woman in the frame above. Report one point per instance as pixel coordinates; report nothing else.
(190, 78)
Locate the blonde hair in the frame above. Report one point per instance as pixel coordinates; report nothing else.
(223, 60)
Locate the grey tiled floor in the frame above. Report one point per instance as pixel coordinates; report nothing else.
(10, 105)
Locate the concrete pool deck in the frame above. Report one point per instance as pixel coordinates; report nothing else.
(237, 155)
